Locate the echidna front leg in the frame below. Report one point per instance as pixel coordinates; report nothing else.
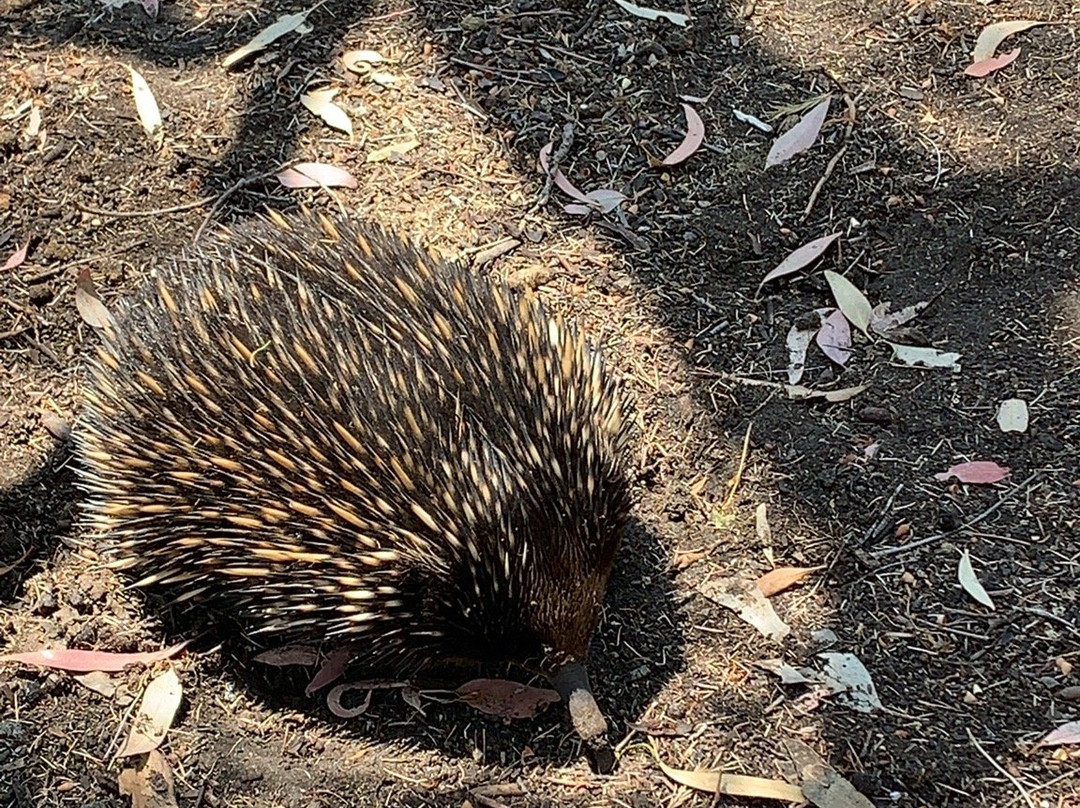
(572, 683)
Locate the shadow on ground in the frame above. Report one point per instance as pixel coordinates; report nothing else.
(943, 194)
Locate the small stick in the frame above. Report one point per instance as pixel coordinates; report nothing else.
(223, 197)
(966, 526)
(137, 214)
(553, 167)
(836, 159)
(1003, 772)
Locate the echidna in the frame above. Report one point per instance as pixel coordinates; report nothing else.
(324, 431)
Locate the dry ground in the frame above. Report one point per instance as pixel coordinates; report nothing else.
(965, 192)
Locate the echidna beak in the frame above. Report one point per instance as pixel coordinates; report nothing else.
(572, 683)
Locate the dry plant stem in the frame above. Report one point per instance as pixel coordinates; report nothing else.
(1016, 783)
(138, 214)
(835, 159)
(1024, 486)
(223, 197)
(736, 478)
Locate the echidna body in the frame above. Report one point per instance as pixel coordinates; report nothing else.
(321, 430)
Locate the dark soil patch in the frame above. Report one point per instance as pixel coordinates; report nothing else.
(947, 189)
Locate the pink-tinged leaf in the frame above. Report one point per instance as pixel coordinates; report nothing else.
(160, 701)
(834, 337)
(977, 471)
(313, 175)
(987, 66)
(561, 182)
(798, 138)
(17, 257)
(73, 660)
(1065, 734)
(506, 699)
(695, 136)
(802, 257)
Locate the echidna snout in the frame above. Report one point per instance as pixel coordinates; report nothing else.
(321, 431)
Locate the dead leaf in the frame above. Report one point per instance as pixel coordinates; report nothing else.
(797, 392)
(802, 257)
(360, 61)
(735, 785)
(393, 150)
(506, 699)
(97, 681)
(968, 580)
(314, 175)
(305, 655)
(653, 14)
(850, 301)
(88, 303)
(781, 578)
(321, 103)
(155, 715)
(992, 35)
(412, 697)
(560, 180)
(284, 25)
(332, 670)
(882, 320)
(84, 661)
(18, 257)
(918, 356)
(333, 700)
(834, 337)
(746, 600)
(149, 782)
(788, 674)
(977, 471)
(846, 676)
(604, 199)
(798, 341)
(820, 782)
(695, 136)
(761, 526)
(990, 65)
(798, 138)
(1065, 734)
(56, 426)
(147, 107)
(1012, 415)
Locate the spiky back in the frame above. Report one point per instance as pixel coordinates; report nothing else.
(323, 431)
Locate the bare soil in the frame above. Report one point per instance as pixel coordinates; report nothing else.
(947, 189)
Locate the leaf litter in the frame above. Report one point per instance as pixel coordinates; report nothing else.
(285, 24)
(155, 715)
(965, 573)
(800, 137)
(321, 103)
(695, 136)
(993, 35)
(800, 258)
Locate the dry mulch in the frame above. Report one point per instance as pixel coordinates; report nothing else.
(958, 191)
